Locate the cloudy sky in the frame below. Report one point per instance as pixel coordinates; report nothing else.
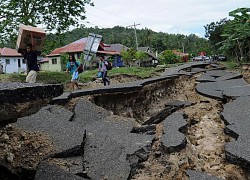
(170, 16)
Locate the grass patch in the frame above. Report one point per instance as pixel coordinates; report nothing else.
(42, 77)
(53, 77)
(141, 72)
(231, 65)
(90, 75)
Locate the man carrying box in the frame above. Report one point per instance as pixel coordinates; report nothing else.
(31, 58)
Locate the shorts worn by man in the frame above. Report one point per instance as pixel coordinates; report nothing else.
(31, 57)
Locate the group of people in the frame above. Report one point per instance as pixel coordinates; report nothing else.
(72, 66)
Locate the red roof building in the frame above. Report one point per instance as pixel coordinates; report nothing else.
(184, 56)
(78, 47)
(8, 52)
(12, 61)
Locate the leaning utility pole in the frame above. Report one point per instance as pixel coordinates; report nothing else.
(134, 25)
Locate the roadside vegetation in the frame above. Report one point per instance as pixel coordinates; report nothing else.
(87, 76)
(230, 65)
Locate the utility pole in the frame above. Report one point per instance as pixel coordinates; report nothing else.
(183, 50)
(134, 25)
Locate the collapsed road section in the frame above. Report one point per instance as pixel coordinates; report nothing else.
(176, 126)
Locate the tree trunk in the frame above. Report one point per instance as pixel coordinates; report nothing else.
(241, 52)
(248, 54)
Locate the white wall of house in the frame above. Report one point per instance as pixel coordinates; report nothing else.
(13, 64)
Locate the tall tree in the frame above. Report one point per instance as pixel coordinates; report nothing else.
(167, 57)
(56, 15)
(237, 34)
(214, 31)
(140, 55)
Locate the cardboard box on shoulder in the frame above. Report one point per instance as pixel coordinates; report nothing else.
(24, 38)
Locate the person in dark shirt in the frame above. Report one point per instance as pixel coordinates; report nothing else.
(31, 58)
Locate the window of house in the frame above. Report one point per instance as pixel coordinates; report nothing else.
(7, 61)
(19, 63)
(24, 62)
(54, 61)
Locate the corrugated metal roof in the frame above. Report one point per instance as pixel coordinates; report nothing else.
(8, 52)
(145, 49)
(78, 46)
(116, 47)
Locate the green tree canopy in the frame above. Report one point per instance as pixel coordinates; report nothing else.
(214, 31)
(167, 57)
(128, 55)
(237, 35)
(54, 15)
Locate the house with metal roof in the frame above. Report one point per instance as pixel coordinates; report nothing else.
(116, 47)
(56, 63)
(11, 61)
(152, 60)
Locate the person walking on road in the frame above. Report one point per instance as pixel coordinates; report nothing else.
(103, 69)
(72, 67)
(31, 58)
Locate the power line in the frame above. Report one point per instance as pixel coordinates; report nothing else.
(134, 25)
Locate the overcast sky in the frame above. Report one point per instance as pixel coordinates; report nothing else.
(170, 16)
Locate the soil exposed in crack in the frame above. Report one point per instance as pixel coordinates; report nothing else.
(21, 151)
(205, 139)
(205, 142)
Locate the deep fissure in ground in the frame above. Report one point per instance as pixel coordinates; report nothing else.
(205, 137)
(204, 150)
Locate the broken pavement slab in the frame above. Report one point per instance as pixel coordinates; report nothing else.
(215, 89)
(121, 88)
(86, 113)
(237, 114)
(109, 142)
(24, 92)
(108, 145)
(22, 99)
(218, 75)
(169, 109)
(182, 69)
(173, 139)
(238, 152)
(52, 172)
(54, 121)
(237, 91)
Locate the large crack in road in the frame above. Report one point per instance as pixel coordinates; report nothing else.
(188, 129)
(205, 147)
